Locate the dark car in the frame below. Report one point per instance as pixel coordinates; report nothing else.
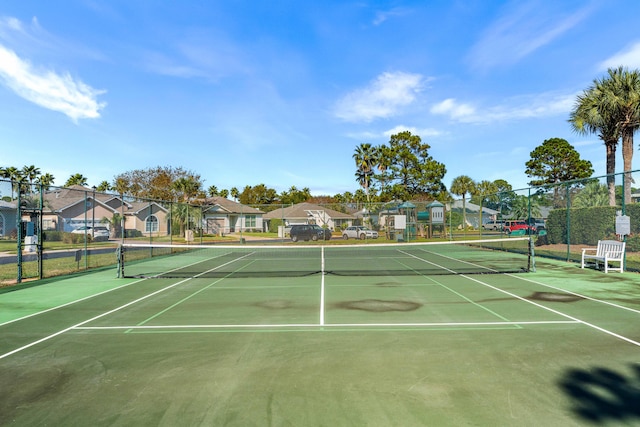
(309, 231)
(537, 225)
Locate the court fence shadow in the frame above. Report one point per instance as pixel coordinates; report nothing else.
(602, 395)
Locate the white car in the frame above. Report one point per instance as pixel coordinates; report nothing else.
(98, 233)
(359, 232)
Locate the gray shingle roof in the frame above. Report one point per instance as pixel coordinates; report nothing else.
(300, 211)
(218, 203)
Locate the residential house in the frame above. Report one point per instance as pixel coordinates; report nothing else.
(7, 218)
(309, 213)
(222, 216)
(473, 210)
(65, 209)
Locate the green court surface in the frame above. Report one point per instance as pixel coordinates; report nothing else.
(555, 347)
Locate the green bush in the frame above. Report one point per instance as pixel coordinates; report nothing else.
(133, 233)
(588, 225)
(633, 243)
(274, 224)
(52, 236)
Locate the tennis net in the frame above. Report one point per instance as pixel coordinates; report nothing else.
(507, 255)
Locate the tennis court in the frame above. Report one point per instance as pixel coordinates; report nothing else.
(388, 335)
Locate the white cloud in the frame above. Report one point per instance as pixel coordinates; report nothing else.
(524, 107)
(628, 57)
(453, 109)
(383, 98)
(382, 16)
(523, 28)
(422, 133)
(48, 89)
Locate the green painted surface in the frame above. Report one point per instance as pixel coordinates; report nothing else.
(558, 347)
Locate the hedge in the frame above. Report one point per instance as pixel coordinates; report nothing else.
(588, 225)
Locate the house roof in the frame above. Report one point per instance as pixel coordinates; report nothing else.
(138, 207)
(222, 204)
(63, 198)
(473, 207)
(301, 211)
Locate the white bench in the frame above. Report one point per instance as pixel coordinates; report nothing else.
(607, 250)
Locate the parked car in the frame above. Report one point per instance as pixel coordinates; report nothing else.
(97, 233)
(511, 226)
(493, 225)
(537, 224)
(359, 232)
(309, 231)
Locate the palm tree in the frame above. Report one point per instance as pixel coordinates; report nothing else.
(121, 186)
(46, 180)
(589, 117)
(366, 157)
(460, 186)
(234, 193)
(15, 176)
(187, 188)
(104, 186)
(384, 159)
(620, 101)
(76, 179)
(212, 191)
(30, 173)
(593, 194)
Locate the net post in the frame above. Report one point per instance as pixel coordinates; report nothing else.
(532, 256)
(120, 264)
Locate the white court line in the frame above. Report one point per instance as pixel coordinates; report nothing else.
(322, 274)
(70, 303)
(48, 337)
(333, 325)
(591, 325)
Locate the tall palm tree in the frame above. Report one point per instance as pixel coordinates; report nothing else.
(620, 92)
(186, 189)
(30, 173)
(384, 159)
(460, 186)
(15, 176)
(589, 117)
(234, 193)
(212, 191)
(366, 158)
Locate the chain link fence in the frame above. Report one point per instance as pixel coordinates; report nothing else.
(53, 231)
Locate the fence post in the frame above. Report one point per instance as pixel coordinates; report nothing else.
(19, 232)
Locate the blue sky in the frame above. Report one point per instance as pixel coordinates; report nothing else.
(281, 92)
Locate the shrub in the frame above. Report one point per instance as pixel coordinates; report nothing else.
(52, 236)
(633, 243)
(274, 224)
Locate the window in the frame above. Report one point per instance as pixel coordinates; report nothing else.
(151, 224)
(250, 221)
